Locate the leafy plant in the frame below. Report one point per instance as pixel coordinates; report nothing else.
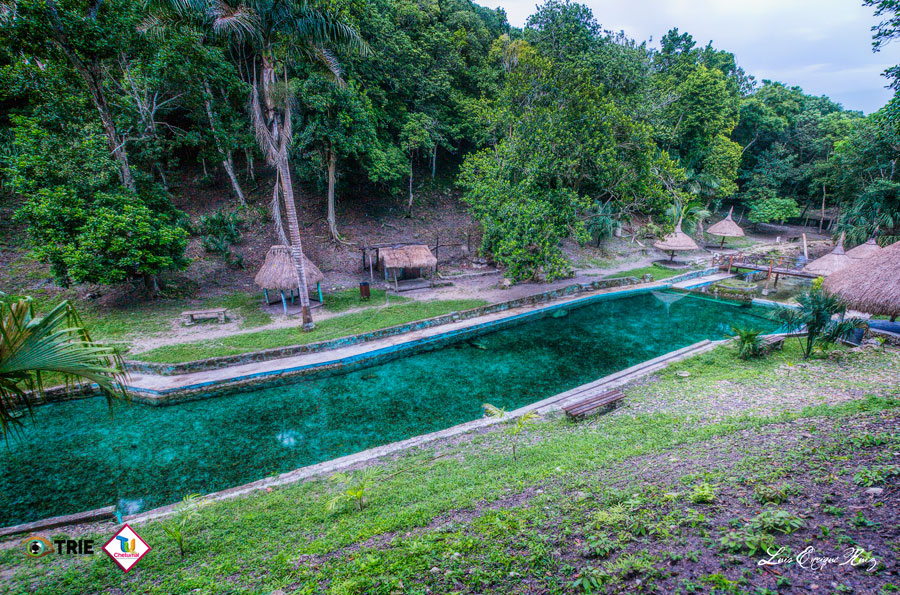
(221, 230)
(870, 476)
(353, 488)
(184, 520)
(774, 519)
(515, 426)
(749, 342)
(774, 494)
(815, 316)
(32, 346)
(703, 493)
(600, 546)
(744, 540)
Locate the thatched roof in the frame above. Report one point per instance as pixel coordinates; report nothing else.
(417, 256)
(872, 284)
(726, 228)
(278, 271)
(866, 250)
(831, 262)
(677, 241)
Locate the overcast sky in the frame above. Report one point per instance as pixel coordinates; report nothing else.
(823, 46)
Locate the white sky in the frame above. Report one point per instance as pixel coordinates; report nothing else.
(823, 46)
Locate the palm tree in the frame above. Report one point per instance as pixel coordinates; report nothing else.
(32, 346)
(816, 316)
(270, 36)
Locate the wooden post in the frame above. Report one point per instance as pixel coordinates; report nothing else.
(730, 261)
(266, 293)
(768, 276)
(319, 289)
(284, 303)
(365, 251)
(396, 283)
(371, 270)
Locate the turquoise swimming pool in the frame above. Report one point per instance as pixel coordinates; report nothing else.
(74, 457)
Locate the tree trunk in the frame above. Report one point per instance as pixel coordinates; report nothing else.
(113, 140)
(433, 160)
(822, 220)
(284, 172)
(409, 206)
(227, 160)
(332, 220)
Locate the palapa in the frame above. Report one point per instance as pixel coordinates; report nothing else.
(278, 271)
(416, 256)
(726, 228)
(832, 262)
(677, 241)
(871, 284)
(869, 248)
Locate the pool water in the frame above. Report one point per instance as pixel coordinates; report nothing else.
(73, 456)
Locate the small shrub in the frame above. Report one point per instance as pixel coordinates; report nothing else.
(184, 520)
(353, 489)
(774, 519)
(600, 546)
(871, 476)
(773, 494)
(703, 493)
(744, 540)
(514, 427)
(749, 342)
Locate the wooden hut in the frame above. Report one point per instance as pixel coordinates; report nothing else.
(871, 284)
(832, 262)
(677, 241)
(278, 273)
(726, 228)
(865, 250)
(406, 263)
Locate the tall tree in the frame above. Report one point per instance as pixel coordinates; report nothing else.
(269, 37)
(90, 36)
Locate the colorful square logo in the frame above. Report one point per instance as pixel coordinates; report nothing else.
(126, 548)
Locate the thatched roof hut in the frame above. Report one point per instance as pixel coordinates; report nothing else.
(865, 250)
(278, 271)
(416, 256)
(677, 241)
(872, 284)
(726, 228)
(831, 262)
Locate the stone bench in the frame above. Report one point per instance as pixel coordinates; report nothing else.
(189, 318)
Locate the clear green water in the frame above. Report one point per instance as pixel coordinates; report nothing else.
(74, 457)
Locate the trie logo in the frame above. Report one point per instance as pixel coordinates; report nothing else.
(125, 548)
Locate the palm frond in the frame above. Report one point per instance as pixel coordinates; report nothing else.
(57, 342)
(492, 411)
(240, 21)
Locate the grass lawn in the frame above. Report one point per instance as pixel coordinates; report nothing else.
(331, 328)
(676, 493)
(659, 273)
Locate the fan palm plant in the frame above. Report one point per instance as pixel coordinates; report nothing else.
(57, 343)
(691, 215)
(268, 38)
(816, 316)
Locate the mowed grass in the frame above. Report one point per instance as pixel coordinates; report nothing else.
(340, 326)
(422, 510)
(657, 272)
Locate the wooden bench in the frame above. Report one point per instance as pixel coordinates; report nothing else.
(772, 342)
(592, 405)
(189, 318)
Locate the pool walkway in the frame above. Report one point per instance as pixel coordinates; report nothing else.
(161, 389)
(701, 281)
